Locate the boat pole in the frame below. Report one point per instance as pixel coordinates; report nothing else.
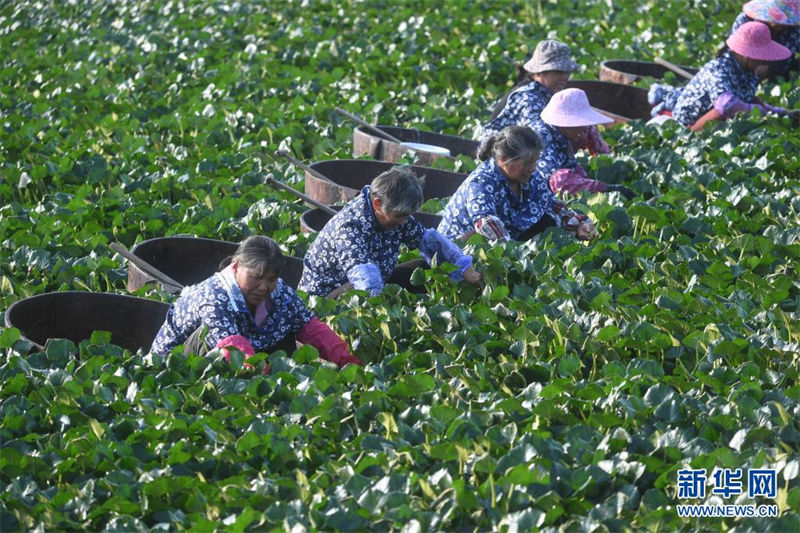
(270, 179)
(299, 164)
(674, 68)
(364, 123)
(144, 265)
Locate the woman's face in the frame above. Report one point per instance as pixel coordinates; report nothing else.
(518, 170)
(255, 288)
(573, 133)
(388, 219)
(554, 80)
(759, 68)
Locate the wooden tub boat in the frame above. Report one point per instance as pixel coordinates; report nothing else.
(348, 176)
(367, 143)
(618, 101)
(629, 72)
(133, 322)
(313, 220)
(190, 260)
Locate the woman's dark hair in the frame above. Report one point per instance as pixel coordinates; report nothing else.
(523, 77)
(512, 142)
(259, 254)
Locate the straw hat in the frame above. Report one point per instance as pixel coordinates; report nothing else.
(753, 40)
(570, 108)
(551, 55)
(784, 12)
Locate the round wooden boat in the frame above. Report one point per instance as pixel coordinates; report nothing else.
(348, 176)
(629, 72)
(617, 101)
(133, 322)
(190, 260)
(366, 142)
(313, 220)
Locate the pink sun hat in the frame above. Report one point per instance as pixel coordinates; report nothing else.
(570, 108)
(783, 12)
(753, 40)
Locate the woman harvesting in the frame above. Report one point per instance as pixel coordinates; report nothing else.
(249, 306)
(566, 120)
(545, 74)
(727, 84)
(504, 199)
(361, 243)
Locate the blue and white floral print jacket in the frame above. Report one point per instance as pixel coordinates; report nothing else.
(486, 193)
(219, 304)
(720, 75)
(353, 247)
(523, 108)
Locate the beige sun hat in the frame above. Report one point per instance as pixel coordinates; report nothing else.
(551, 55)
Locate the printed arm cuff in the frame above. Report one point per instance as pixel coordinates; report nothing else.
(492, 228)
(434, 242)
(366, 277)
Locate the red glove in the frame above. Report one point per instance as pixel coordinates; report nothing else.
(241, 344)
(330, 346)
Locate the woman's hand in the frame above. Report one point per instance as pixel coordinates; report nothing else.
(586, 231)
(472, 276)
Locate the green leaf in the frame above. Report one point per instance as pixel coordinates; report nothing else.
(569, 365)
(412, 385)
(8, 336)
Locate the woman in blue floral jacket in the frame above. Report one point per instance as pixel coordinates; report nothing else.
(361, 243)
(726, 85)
(505, 199)
(248, 302)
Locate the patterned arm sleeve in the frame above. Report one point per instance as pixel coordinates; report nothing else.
(573, 181)
(433, 242)
(366, 277)
(592, 141)
(167, 337)
(479, 202)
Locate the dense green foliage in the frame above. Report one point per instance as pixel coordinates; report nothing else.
(566, 394)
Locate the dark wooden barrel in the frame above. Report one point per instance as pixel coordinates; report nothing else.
(629, 72)
(367, 143)
(350, 175)
(313, 220)
(190, 260)
(616, 100)
(133, 322)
